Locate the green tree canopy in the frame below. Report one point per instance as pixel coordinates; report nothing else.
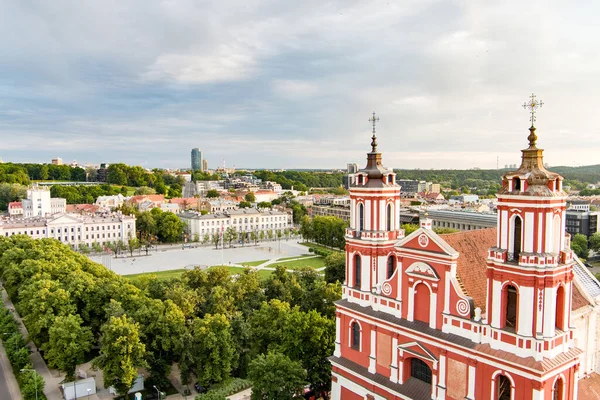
(276, 377)
(68, 344)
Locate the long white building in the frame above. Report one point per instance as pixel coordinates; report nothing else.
(243, 220)
(74, 230)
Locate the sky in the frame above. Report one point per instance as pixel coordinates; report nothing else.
(292, 84)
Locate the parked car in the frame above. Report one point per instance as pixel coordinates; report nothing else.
(588, 265)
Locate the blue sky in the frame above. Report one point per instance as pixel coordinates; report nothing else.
(279, 84)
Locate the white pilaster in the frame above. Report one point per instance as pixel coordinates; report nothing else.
(505, 229)
(372, 355)
(338, 337)
(496, 303)
(401, 368)
(471, 383)
(537, 394)
(432, 310)
(336, 392)
(527, 305)
(447, 286)
(394, 366)
(411, 304)
(550, 311)
(368, 220)
(442, 381)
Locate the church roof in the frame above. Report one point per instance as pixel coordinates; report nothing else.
(589, 387)
(473, 247)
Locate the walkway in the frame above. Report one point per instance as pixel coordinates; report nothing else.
(9, 387)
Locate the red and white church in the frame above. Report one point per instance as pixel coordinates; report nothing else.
(485, 314)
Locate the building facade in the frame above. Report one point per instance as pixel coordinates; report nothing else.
(482, 314)
(462, 220)
(332, 207)
(196, 160)
(74, 230)
(39, 203)
(245, 221)
(582, 221)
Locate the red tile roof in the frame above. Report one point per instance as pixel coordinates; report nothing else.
(15, 204)
(589, 388)
(82, 207)
(157, 198)
(578, 299)
(473, 247)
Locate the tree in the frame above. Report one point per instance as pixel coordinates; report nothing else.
(144, 190)
(32, 385)
(212, 193)
(594, 242)
(244, 204)
(335, 267)
(306, 229)
(579, 245)
(133, 244)
(276, 377)
(121, 353)
(230, 235)
(253, 237)
(409, 228)
(264, 204)
(250, 197)
(213, 349)
(205, 238)
(68, 344)
(216, 238)
(170, 227)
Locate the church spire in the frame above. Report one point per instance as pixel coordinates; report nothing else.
(532, 104)
(373, 120)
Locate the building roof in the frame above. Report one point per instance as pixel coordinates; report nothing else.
(73, 208)
(15, 204)
(473, 247)
(152, 197)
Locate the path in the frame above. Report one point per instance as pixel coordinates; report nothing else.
(8, 383)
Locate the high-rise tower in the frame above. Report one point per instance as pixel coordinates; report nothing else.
(196, 160)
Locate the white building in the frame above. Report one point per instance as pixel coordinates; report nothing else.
(111, 202)
(243, 220)
(39, 203)
(75, 230)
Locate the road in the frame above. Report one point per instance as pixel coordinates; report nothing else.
(9, 388)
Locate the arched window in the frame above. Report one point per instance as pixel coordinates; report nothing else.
(391, 266)
(357, 270)
(558, 389)
(420, 370)
(517, 239)
(511, 306)
(388, 225)
(361, 217)
(517, 184)
(355, 344)
(503, 385)
(421, 303)
(560, 308)
(360, 179)
(390, 179)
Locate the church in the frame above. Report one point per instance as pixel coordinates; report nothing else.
(506, 313)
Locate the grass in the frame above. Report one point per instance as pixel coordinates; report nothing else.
(294, 258)
(314, 262)
(263, 273)
(318, 246)
(160, 275)
(253, 263)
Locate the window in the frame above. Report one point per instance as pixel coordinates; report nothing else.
(355, 344)
(357, 270)
(360, 179)
(420, 370)
(361, 217)
(391, 266)
(517, 183)
(503, 388)
(557, 390)
(390, 179)
(388, 225)
(511, 307)
(517, 239)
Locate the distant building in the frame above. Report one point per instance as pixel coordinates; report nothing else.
(146, 202)
(464, 199)
(57, 161)
(110, 202)
(462, 220)
(409, 186)
(74, 230)
(196, 160)
(204, 165)
(199, 188)
(39, 203)
(102, 173)
(15, 209)
(352, 168)
(332, 207)
(244, 221)
(584, 222)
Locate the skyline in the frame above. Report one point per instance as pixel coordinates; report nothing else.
(293, 86)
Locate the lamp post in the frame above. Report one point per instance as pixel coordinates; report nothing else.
(89, 391)
(34, 380)
(158, 392)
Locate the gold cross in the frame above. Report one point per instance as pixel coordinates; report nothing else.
(533, 104)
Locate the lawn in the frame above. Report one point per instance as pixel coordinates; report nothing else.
(161, 275)
(318, 246)
(294, 258)
(263, 273)
(314, 262)
(253, 263)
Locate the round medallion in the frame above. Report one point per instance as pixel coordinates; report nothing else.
(423, 240)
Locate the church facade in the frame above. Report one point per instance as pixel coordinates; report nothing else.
(481, 314)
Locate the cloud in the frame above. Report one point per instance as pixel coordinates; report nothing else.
(272, 84)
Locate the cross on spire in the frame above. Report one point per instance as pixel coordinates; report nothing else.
(533, 104)
(373, 120)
